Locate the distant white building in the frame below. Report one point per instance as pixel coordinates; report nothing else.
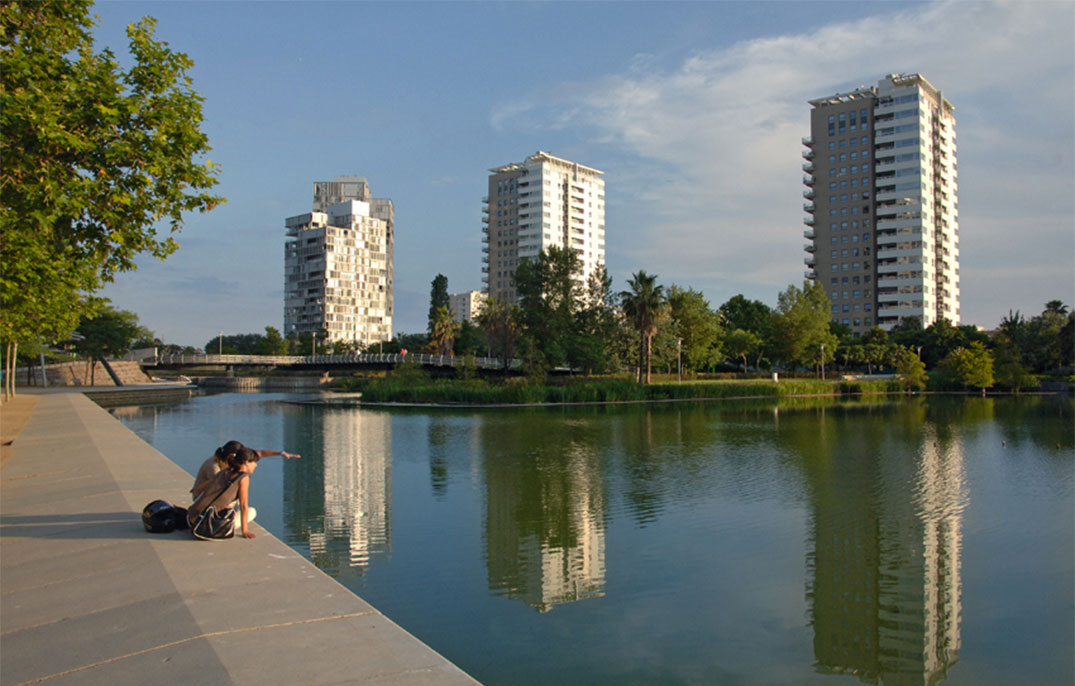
(466, 307)
(541, 202)
(338, 265)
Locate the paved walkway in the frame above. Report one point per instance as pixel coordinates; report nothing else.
(88, 597)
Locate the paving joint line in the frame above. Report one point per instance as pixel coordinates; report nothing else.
(214, 634)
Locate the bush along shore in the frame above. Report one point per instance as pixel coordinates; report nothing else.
(601, 390)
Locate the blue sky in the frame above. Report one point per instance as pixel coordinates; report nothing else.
(694, 111)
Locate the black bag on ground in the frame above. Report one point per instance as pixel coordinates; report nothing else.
(161, 517)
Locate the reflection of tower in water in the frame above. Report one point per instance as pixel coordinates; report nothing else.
(545, 532)
(886, 568)
(357, 474)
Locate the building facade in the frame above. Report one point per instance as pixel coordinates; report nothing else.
(541, 202)
(466, 307)
(881, 199)
(338, 273)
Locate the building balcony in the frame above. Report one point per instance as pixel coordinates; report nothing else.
(809, 221)
(809, 260)
(809, 180)
(808, 233)
(808, 166)
(810, 275)
(809, 247)
(809, 207)
(808, 154)
(808, 140)
(808, 194)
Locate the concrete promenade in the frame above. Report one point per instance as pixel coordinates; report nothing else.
(87, 596)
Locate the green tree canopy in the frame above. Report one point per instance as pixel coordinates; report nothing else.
(696, 325)
(94, 159)
(971, 367)
(549, 297)
(801, 326)
(644, 307)
(445, 329)
(438, 298)
(911, 370)
(741, 344)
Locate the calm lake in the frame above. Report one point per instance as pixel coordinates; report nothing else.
(811, 541)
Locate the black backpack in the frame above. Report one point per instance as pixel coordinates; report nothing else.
(161, 517)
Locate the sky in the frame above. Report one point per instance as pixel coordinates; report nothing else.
(694, 112)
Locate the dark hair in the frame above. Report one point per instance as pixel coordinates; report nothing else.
(240, 457)
(223, 453)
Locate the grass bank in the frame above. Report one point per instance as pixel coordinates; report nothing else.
(604, 390)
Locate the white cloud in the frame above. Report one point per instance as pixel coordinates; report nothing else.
(724, 130)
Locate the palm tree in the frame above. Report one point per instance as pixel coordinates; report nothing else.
(643, 305)
(444, 330)
(1056, 306)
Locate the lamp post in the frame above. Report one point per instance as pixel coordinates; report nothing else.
(822, 361)
(679, 360)
(220, 343)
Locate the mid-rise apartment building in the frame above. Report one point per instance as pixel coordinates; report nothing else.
(881, 198)
(535, 204)
(467, 307)
(338, 265)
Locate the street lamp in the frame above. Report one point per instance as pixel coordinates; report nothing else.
(679, 360)
(822, 361)
(220, 343)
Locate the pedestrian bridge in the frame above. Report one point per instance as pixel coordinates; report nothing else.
(324, 361)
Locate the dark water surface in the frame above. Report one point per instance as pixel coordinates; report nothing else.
(806, 542)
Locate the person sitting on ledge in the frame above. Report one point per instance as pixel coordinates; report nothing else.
(228, 489)
(219, 461)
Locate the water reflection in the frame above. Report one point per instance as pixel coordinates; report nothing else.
(339, 500)
(544, 519)
(883, 579)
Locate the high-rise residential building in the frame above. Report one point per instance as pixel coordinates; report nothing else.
(338, 265)
(466, 307)
(883, 224)
(535, 204)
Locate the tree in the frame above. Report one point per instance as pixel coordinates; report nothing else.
(499, 321)
(911, 370)
(549, 297)
(740, 343)
(272, 343)
(696, 325)
(470, 340)
(801, 325)
(644, 307)
(1010, 373)
(444, 331)
(438, 298)
(107, 333)
(971, 367)
(94, 157)
(596, 326)
(748, 315)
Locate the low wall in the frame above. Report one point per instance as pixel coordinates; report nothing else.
(264, 383)
(79, 374)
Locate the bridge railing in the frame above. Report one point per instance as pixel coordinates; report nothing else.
(321, 360)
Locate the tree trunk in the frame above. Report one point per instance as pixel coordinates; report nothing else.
(641, 354)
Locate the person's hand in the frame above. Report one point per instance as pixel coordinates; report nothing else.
(288, 456)
(249, 534)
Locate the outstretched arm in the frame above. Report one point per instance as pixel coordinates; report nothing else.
(272, 453)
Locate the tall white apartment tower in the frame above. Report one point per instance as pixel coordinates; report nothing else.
(535, 204)
(881, 199)
(338, 265)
